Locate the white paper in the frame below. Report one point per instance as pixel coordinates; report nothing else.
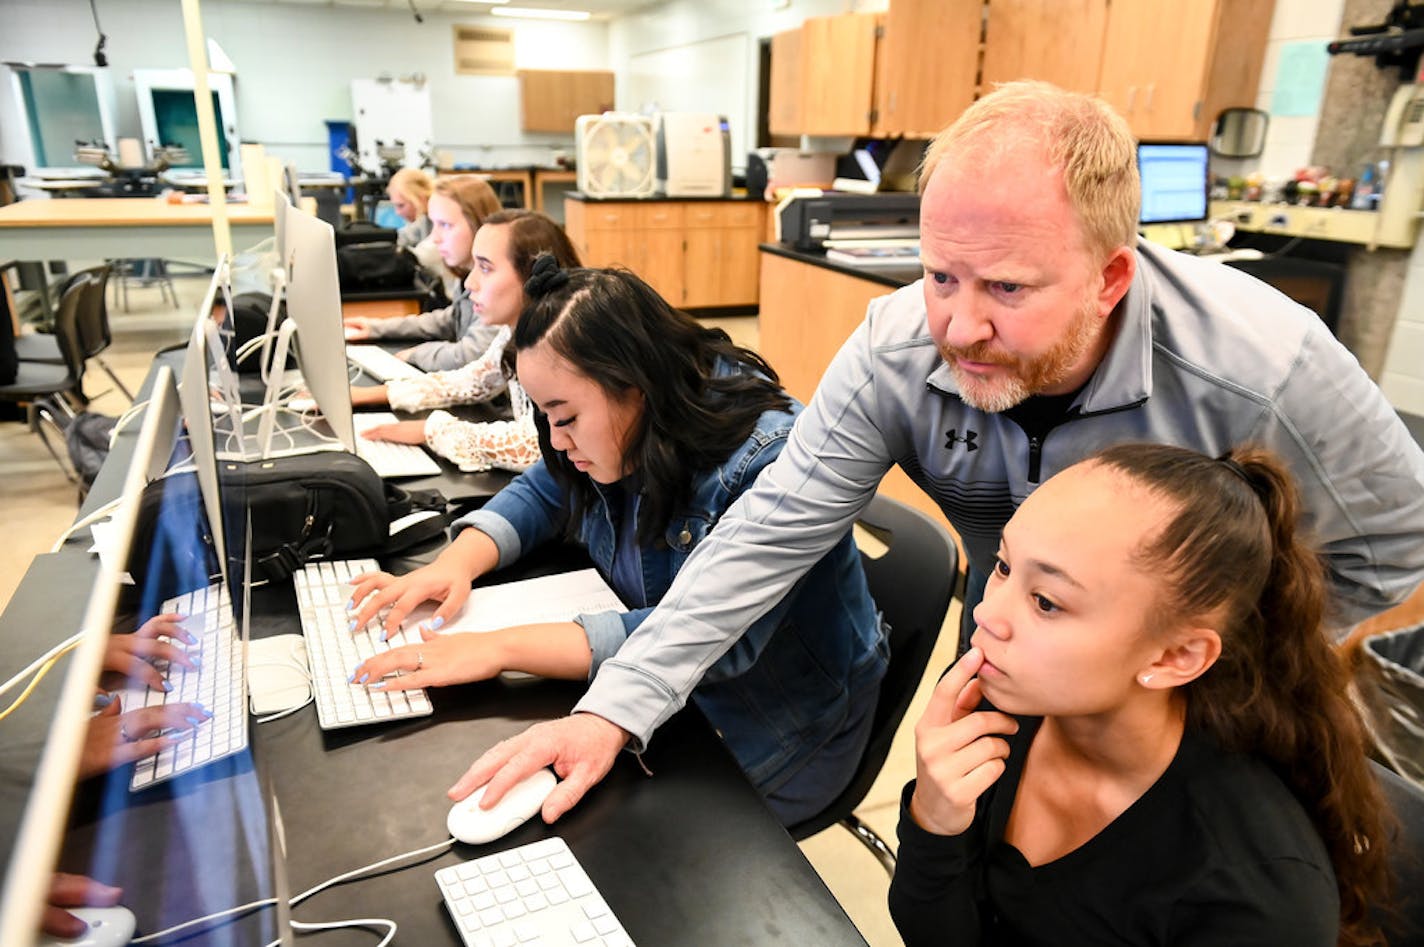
(548, 598)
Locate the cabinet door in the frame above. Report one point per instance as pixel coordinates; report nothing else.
(552, 100)
(787, 82)
(1058, 41)
(838, 61)
(721, 267)
(659, 261)
(1155, 58)
(929, 63)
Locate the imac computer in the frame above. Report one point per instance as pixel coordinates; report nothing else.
(1175, 181)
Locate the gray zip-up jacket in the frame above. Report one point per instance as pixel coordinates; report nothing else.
(459, 335)
(1204, 356)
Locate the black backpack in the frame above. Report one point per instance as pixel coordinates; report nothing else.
(249, 320)
(372, 266)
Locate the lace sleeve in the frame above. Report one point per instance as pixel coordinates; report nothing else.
(473, 447)
(478, 381)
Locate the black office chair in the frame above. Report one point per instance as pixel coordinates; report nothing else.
(51, 393)
(913, 584)
(1316, 285)
(94, 333)
(1403, 923)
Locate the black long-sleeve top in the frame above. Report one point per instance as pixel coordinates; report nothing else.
(1218, 851)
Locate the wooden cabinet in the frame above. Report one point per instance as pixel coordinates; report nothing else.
(694, 253)
(1171, 67)
(551, 100)
(1058, 41)
(927, 62)
(824, 83)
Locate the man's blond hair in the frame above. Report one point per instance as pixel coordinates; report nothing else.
(1086, 141)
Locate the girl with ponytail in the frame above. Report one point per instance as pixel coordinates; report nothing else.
(1149, 741)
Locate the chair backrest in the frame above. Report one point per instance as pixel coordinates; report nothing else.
(913, 584)
(66, 326)
(1317, 285)
(94, 334)
(1403, 922)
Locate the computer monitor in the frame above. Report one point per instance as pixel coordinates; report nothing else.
(314, 305)
(1175, 181)
(41, 831)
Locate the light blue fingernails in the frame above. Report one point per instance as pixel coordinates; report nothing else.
(351, 605)
(351, 625)
(437, 623)
(377, 687)
(167, 686)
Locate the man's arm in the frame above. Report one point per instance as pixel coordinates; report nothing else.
(1361, 477)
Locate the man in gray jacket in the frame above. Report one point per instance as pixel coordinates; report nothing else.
(1042, 331)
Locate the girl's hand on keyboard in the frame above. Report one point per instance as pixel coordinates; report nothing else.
(167, 625)
(116, 737)
(132, 657)
(441, 660)
(402, 432)
(356, 329)
(442, 581)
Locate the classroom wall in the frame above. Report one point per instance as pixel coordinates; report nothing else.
(295, 64)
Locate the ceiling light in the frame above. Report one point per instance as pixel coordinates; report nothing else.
(488, 3)
(533, 13)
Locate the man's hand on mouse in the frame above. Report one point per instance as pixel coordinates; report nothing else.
(581, 748)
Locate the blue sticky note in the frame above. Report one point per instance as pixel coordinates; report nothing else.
(1300, 78)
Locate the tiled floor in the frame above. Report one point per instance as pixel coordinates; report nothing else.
(40, 503)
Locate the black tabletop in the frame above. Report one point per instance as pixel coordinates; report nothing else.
(687, 855)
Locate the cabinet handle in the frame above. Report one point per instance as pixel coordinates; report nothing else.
(1131, 98)
(1151, 88)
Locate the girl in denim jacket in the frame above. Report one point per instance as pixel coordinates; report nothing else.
(650, 427)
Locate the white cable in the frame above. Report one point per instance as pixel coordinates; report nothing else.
(34, 665)
(350, 875)
(125, 418)
(250, 906)
(269, 902)
(354, 922)
(93, 517)
(286, 713)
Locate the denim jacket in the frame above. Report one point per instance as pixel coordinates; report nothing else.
(798, 677)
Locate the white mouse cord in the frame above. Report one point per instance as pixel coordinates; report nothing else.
(377, 866)
(285, 713)
(59, 649)
(251, 906)
(95, 516)
(339, 879)
(317, 927)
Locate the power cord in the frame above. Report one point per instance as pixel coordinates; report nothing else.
(419, 853)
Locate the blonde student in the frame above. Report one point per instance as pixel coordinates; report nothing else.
(449, 337)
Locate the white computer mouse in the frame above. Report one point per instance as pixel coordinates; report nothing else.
(108, 927)
(303, 405)
(469, 823)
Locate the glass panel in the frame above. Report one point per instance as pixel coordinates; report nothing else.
(175, 112)
(62, 108)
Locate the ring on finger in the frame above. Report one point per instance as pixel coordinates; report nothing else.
(419, 660)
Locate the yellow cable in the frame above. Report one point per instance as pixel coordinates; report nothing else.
(34, 681)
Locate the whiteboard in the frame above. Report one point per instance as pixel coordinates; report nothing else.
(389, 112)
(711, 75)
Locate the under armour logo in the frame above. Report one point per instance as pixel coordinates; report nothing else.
(952, 437)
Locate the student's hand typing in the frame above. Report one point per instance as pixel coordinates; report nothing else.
(580, 747)
(74, 891)
(444, 581)
(401, 432)
(958, 751)
(116, 737)
(356, 329)
(440, 661)
(366, 396)
(131, 655)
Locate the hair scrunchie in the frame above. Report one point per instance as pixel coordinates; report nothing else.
(545, 276)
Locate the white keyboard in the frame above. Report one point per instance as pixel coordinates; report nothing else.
(536, 894)
(388, 458)
(218, 683)
(380, 364)
(333, 651)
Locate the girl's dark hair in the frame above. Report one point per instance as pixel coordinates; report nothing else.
(532, 233)
(1231, 550)
(702, 394)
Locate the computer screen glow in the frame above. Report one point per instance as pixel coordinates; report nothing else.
(1174, 182)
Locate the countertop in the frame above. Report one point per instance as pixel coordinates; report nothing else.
(658, 199)
(892, 276)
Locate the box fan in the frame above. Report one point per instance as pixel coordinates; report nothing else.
(616, 155)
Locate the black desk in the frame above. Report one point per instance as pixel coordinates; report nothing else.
(688, 856)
